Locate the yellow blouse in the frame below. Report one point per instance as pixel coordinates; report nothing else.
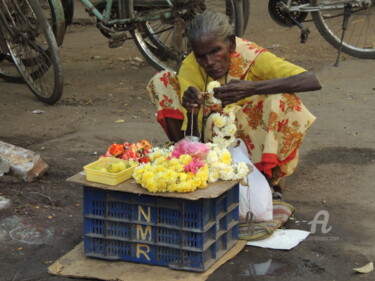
(249, 62)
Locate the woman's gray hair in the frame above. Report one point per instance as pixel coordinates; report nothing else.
(209, 23)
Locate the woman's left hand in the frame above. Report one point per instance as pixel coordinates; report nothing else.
(234, 91)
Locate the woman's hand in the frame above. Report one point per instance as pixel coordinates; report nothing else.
(234, 91)
(192, 100)
(237, 90)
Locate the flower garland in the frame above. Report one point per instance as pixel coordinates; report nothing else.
(225, 128)
(221, 167)
(190, 164)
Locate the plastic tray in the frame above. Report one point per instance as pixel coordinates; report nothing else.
(95, 175)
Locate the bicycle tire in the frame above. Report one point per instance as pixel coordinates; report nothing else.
(29, 38)
(246, 14)
(8, 71)
(53, 10)
(156, 41)
(359, 36)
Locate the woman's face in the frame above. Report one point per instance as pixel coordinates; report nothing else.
(214, 55)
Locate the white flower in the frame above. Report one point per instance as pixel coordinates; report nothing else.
(210, 98)
(219, 120)
(220, 141)
(227, 173)
(212, 85)
(242, 169)
(218, 132)
(212, 157)
(229, 130)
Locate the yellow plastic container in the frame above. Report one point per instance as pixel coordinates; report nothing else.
(98, 171)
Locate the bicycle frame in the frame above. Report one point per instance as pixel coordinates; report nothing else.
(329, 5)
(125, 11)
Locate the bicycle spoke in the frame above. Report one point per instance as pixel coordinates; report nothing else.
(359, 37)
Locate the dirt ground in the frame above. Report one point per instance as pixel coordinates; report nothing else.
(335, 174)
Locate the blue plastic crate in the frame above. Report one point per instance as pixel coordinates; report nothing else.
(178, 233)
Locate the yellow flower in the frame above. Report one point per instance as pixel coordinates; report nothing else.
(171, 176)
(174, 162)
(185, 159)
(147, 175)
(182, 177)
(190, 176)
(225, 157)
(151, 185)
(184, 186)
(172, 187)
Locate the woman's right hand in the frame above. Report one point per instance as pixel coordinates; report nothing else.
(192, 100)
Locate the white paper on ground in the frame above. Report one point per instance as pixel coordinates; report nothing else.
(281, 239)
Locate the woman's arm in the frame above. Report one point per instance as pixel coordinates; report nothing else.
(237, 90)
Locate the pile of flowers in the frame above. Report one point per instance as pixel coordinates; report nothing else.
(187, 166)
(130, 151)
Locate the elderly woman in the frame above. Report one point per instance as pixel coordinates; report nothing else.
(272, 121)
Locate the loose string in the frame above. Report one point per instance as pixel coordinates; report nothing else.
(192, 129)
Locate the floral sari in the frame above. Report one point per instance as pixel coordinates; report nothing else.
(272, 126)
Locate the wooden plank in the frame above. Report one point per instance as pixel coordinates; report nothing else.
(213, 190)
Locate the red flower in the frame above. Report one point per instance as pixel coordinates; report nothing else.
(144, 159)
(116, 149)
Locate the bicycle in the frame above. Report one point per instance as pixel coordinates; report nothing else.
(27, 41)
(8, 70)
(348, 25)
(157, 26)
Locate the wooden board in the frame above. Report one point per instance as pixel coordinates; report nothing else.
(213, 190)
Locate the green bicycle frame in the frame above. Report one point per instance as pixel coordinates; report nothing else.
(58, 21)
(125, 11)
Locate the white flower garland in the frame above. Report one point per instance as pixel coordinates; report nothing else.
(224, 123)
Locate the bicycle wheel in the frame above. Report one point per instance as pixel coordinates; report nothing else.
(359, 39)
(53, 10)
(8, 71)
(163, 43)
(246, 13)
(33, 48)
